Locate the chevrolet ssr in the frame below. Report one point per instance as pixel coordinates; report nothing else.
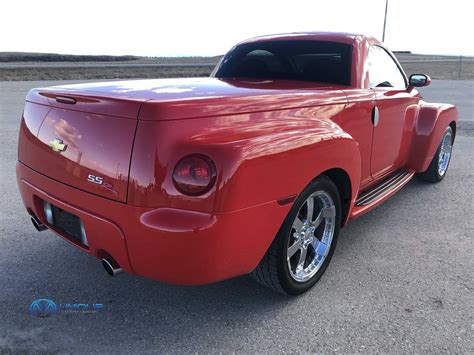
(252, 170)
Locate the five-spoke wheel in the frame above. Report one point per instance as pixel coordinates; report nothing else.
(444, 155)
(439, 165)
(311, 236)
(305, 242)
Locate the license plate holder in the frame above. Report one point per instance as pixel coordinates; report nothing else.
(66, 222)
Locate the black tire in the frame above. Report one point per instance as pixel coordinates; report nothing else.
(273, 270)
(432, 174)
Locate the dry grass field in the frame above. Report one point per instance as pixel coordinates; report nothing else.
(438, 67)
(16, 68)
(101, 72)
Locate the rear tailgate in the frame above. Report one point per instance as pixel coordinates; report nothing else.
(82, 141)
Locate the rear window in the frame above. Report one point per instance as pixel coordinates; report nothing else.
(317, 61)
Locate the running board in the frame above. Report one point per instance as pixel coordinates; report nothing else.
(395, 181)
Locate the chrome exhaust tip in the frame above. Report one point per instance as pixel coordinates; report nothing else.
(111, 267)
(37, 224)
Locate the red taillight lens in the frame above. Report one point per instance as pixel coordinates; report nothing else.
(194, 175)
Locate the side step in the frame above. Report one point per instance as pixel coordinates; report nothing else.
(394, 181)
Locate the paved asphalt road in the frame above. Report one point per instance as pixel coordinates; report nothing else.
(401, 279)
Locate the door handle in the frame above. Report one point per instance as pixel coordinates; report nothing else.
(375, 116)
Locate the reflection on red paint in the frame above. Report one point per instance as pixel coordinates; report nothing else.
(203, 171)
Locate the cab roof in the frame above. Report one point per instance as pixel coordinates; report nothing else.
(340, 37)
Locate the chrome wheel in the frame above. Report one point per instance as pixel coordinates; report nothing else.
(311, 236)
(445, 153)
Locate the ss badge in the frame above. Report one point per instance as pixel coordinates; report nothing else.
(95, 179)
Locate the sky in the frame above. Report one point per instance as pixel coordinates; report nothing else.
(208, 27)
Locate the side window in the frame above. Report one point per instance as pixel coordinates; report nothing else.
(383, 71)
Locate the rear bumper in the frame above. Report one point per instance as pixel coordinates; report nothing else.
(170, 245)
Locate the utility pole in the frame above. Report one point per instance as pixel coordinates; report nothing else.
(385, 20)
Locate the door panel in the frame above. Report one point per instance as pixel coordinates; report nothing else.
(394, 108)
(394, 105)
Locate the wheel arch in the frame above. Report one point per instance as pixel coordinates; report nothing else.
(343, 183)
(335, 156)
(453, 126)
(431, 123)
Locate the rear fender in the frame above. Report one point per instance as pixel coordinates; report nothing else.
(260, 158)
(263, 160)
(432, 121)
(273, 170)
(284, 175)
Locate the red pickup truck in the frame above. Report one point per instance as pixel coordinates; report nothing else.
(252, 170)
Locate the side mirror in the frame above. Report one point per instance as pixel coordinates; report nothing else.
(419, 80)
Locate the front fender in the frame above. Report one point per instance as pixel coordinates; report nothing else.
(432, 121)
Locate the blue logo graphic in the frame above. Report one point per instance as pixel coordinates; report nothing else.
(43, 307)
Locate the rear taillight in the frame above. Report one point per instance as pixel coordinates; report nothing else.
(194, 175)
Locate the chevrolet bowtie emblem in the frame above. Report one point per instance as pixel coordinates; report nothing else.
(58, 145)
